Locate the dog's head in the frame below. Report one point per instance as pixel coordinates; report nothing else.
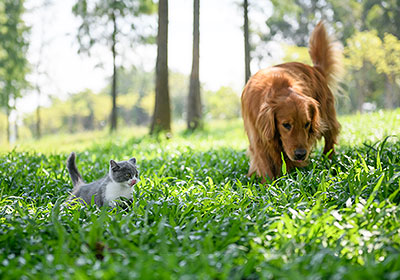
(291, 118)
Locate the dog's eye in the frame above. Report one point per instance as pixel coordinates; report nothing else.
(307, 125)
(287, 126)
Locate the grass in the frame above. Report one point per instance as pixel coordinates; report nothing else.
(195, 215)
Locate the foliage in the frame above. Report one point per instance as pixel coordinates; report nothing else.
(295, 20)
(387, 58)
(222, 104)
(82, 111)
(382, 16)
(369, 59)
(13, 49)
(97, 19)
(89, 111)
(368, 29)
(295, 53)
(196, 215)
(104, 22)
(137, 80)
(362, 48)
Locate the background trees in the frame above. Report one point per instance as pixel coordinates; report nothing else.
(368, 30)
(13, 62)
(374, 65)
(362, 27)
(101, 23)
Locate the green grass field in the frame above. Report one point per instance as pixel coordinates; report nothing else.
(195, 215)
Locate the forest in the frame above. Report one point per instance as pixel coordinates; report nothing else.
(368, 31)
(161, 81)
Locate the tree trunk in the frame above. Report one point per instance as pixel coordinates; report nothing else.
(114, 77)
(194, 99)
(389, 90)
(38, 119)
(361, 92)
(38, 123)
(247, 57)
(162, 110)
(8, 121)
(16, 132)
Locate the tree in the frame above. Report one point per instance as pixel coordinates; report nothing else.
(358, 53)
(382, 16)
(365, 52)
(39, 62)
(13, 50)
(194, 113)
(162, 109)
(295, 20)
(222, 104)
(247, 57)
(102, 23)
(387, 61)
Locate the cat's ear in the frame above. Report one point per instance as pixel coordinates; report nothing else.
(114, 166)
(132, 160)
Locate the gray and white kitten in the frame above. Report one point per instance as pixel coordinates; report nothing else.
(117, 183)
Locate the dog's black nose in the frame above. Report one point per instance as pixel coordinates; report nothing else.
(300, 154)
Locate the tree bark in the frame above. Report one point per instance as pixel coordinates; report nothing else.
(247, 57)
(162, 109)
(194, 113)
(114, 77)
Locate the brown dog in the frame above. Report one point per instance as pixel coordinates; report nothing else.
(287, 107)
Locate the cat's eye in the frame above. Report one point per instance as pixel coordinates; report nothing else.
(307, 125)
(287, 126)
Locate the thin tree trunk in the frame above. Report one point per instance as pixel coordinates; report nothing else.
(114, 77)
(361, 85)
(8, 121)
(16, 132)
(389, 90)
(162, 110)
(194, 113)
(38, 123)
(38, 119)
(247, 57)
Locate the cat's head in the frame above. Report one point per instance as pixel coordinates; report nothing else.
(124, 172)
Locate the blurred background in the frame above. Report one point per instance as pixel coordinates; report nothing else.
(87, 65)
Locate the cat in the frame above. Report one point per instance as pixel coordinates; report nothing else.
(118, 182)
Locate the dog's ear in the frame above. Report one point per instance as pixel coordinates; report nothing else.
(280, 86)
(316, 126)
(265, 122)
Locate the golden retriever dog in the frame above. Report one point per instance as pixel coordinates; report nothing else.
(287, 107)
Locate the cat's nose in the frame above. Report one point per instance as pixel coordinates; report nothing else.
(133, 182)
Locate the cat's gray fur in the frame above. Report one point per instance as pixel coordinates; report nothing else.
(117, 183)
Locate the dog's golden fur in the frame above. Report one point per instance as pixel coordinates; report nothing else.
(287, 107)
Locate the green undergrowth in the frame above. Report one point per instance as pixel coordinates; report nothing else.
(195, 214)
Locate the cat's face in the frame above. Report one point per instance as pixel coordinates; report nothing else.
(124, 172)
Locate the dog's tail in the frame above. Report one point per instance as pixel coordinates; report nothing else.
(326, 54)
(73, 171)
